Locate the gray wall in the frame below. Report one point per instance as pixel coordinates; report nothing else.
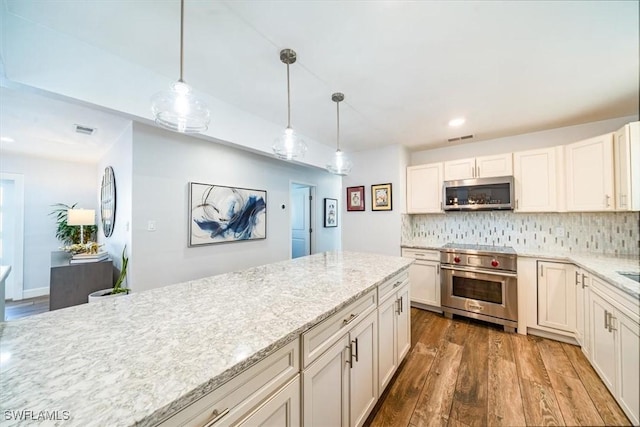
(165, 162)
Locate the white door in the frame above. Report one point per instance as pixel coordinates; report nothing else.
(300, 220)
(12, 231)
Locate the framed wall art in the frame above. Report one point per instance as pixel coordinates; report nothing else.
(330, 213)
(381, 197)
(355, 198)
(219, 214)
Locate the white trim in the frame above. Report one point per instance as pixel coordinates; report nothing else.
(33, 293)
(17, 269)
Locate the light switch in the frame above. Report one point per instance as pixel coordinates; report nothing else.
(151, 225)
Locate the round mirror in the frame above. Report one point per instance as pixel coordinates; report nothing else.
(108, 201)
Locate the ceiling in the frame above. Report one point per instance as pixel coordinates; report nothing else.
(406, 68)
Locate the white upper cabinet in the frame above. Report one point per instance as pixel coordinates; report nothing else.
(589, 174)
(626, 145)
(424, 188)
(536, 182)
(479, 167)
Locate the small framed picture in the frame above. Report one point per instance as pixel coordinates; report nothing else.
(381, 197)
(330, 213)
(355, 198)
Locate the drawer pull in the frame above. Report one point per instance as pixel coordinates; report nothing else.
(584, 281)
(611, 319)
(216, 416)
(355, 354)
(351, 318)
(398, 283)
(577, 278)
(606, 320)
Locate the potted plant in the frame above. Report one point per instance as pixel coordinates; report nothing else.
(70, 234)
(119, 288)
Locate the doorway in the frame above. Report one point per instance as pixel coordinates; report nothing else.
(12, 231)
(302, 208)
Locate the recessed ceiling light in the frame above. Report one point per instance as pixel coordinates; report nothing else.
(7, 139)
(457, 122)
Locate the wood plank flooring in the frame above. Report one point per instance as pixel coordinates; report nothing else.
(462, 372)
(26, 307)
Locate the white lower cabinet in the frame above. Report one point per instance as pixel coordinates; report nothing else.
(556, 297)
(615, 348)
(582, 285)
(394, 333)
(282, 410)
(424, 276)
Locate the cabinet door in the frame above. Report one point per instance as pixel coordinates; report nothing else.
(628, 368)
(499, 165)
(282, 410)
(556, 297)
(589, 168)
(363, 371)
(579, 306)
(404, 323)
(626, 146)
(387, 340)
(602, 340)
(325, 385)
(424, 188)
(535, 180)
(424, 277)
(460, 169)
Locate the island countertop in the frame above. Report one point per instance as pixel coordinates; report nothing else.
(134, 360)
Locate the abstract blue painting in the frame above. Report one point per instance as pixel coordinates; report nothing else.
(220, 214)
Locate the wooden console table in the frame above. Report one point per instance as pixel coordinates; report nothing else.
(71, 284)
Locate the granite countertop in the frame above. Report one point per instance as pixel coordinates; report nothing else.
(607, 267)
(135, 359)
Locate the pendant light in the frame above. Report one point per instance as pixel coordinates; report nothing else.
(289, 145)
(177, 108)
(340, 164)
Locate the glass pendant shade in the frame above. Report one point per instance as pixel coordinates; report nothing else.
(341, 165)
(178, 109)
(289, 146)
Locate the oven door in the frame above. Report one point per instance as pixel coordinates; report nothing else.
(488, 293)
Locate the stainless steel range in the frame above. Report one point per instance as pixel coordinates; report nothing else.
(480, 282)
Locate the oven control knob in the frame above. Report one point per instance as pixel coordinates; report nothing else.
(456, 259)
(495, 263)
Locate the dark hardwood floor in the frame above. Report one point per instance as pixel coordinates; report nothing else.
(26, 307)
(465, 373)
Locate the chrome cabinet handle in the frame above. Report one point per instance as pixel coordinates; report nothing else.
(473, 172)
(216, 416)
(611, 319)
(356, 352)
(478, 174)
(349, 359)
(607, 197)
(606, 319)
(351, 318)
(517, 200)
(578, 278)
(401, 305)
(398, 307)
(541, 270)
(398, 283)
(438, 269)
(584, 281)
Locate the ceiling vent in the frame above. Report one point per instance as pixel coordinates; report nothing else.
(460, 138)
(86, 130)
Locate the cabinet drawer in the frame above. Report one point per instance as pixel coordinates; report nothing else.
(235, 398)
(391, 285)
(421, 254)
(322, 336)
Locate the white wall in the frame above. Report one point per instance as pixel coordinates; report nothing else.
(163, 165)
(120, 158)
(47, 182)
(375, 231)
(529, 141)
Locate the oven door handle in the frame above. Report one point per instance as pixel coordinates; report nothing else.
(479, 271)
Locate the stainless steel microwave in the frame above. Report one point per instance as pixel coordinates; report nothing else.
(496, 193)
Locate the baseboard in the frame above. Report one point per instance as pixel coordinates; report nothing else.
(422, 306)
(33, 293)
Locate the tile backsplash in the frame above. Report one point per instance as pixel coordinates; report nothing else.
(612, 233)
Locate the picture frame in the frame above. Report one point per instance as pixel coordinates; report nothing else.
(355, 198)
(221, 214)
(381, 197)
(330, 213)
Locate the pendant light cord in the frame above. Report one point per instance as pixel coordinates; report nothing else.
(288, 100)
(338, 132)
(181, 38)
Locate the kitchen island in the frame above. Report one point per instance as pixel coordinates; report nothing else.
(137, 359)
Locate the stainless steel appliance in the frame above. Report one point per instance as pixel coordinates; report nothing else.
(480, 282)
(479, 194)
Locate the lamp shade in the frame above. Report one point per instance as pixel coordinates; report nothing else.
(81, 217)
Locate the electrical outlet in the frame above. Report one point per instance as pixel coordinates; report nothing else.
(559, 231)
(151, 225)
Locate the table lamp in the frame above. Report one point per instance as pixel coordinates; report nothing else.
(81, 217)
